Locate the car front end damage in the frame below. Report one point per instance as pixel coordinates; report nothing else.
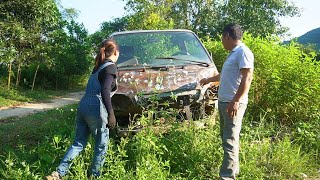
(162, 68)
(177, 87)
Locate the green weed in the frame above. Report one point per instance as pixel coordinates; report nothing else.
(35, 144)
(286, 80)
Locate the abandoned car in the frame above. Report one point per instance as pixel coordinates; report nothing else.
(167, 64)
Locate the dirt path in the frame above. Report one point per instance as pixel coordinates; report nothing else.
(27, 109)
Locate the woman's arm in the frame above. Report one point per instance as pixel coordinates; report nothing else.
(105, 93)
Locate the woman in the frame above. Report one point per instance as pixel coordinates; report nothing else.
(95, 113)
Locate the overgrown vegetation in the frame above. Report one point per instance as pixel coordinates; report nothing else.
(285, 88)
(279, 139)
(41, 45)
(286, 80)
(34, 145)
(204, 17)
(280, 135)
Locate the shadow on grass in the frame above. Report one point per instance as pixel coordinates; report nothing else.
(33, 129)
(14, 97)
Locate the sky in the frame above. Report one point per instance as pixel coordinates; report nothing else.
(92, 13)
(308, 20)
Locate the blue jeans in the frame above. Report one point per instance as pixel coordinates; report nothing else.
(87, 121)
(230, 134)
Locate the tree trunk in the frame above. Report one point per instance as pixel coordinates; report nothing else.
(56, 83)
(18, 74)
(68, 85)
(34, 77)
(9, 75)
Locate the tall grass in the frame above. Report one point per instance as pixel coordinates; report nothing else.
(179, 151)
(286, 80)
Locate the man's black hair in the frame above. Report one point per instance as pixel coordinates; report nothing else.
(234, 31)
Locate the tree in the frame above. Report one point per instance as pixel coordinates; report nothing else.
(208, 17)
(259, 17)
(149, 14)
(115, 25)
(69, 54)
(200, 16)
(24, 26)
(36, 36)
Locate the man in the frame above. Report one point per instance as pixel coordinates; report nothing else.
(235, 80)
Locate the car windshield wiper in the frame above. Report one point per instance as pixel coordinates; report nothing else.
(198, 62)
(185, 60)
(135, 66)
(170, 58)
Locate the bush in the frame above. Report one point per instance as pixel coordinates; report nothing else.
(308, 135)
(274, 160)
(286, 80)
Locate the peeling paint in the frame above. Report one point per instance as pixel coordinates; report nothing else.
(137, 83)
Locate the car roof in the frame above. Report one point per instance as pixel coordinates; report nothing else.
(148, 31)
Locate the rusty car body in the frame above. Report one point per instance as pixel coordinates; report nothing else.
(162, 63)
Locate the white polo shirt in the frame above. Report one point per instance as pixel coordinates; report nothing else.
(230, 78)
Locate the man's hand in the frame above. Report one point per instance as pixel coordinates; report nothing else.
(232, 109)
(203, 81)
(111, 121)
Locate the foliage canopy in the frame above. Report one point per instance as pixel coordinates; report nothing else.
(39, 37)
(207, 17)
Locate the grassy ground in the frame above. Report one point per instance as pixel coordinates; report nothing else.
(32, 146)
(15, 97)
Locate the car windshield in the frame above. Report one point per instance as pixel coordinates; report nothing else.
(160, 48)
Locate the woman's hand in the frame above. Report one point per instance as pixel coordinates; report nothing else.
(111, 121)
